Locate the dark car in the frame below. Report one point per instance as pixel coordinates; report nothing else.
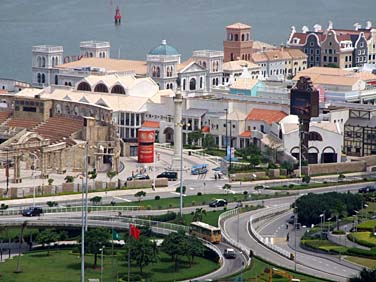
(367, 189)
(170, 175)
(32, 211)
(138, 177)
(218, 203)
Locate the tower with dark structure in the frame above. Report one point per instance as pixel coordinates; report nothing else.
(304, 102)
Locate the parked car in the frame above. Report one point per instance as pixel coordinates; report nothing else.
(229, 253)
(170, 175)
(367, 189)
(138, 177)
(218, 203)
(32, 211)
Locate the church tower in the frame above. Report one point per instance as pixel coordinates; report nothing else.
(45, 58)
(238, 43)
(162, 62)
(96, 49)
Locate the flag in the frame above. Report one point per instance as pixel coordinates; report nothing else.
(135, 232)
(115, 235)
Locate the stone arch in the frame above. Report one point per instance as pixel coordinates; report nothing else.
(313, 155)
(101, 87)
(118, 89)
(84, 86)
(329, 155)
(169, 135)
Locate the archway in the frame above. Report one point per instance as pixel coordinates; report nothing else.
(169, 135)
(328, 155)
(84, 86)
(100, 87)
(192, 84)
(118, 89)
(313, 154)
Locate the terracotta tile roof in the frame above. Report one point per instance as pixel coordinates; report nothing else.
(139, 67)
(277, 55)
(299, 35)
(151, 124)
(246, 134)
(259, 57)
(205, 129)
(259, 45)
(268, 116)
(238, 26)
(238, 65)
(296, 53)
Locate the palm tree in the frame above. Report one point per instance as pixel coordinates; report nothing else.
(199, 214)
(366, 275)
(23, 226)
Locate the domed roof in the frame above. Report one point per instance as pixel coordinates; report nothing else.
(163, 49)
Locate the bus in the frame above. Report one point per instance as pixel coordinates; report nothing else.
(199, 169)
(205, 231)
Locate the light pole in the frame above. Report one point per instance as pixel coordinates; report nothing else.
(321, 220)
(181, 124)
(226, 142)
(101, 249)
(366, 206)
(82, 230)
(35, 157)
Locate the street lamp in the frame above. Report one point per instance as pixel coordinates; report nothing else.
(35, 157)
(322, 218)
(101, 249)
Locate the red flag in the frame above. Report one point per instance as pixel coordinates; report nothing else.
(135, 232)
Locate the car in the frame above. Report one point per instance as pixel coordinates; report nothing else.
(367, 189)
(138, 177)
(229, 253)
(218, 203)
(32, 211)
(170, 175)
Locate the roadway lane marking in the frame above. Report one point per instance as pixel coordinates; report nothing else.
(123, 199)
(177, 193)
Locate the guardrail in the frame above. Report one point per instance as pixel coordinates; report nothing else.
(227, 238)
(265, 215)
(76, 209)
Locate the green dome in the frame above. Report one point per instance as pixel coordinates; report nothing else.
(163, 49)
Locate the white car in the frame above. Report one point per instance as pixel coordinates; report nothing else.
(229, 253)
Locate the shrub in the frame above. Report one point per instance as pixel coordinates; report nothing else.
(178, 189)
(235, 199)
(170, 206)
(362, 252)
(164, 217)
(339, 232)
(203, 202)
(193, 203)
(199, 193)
(148, 207)
(157, 197)
(159, 207)
(291, 185)
(306, 179)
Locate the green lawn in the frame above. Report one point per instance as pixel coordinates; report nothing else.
(62, 266)
(194, 200)
(257, 269)
(364, 238)
(367, 225)
(371, 263)
(324, 245)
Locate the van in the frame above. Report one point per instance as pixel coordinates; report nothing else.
(170, 175)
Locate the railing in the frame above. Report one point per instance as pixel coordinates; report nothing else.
(227, 238)
(268, 213)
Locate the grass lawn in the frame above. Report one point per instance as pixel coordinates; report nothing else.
(371, 263)
(62, 266)
(188, 201)
(211, 218)
(367, 225)
(364, 238)
(257, 269)
(324, 245)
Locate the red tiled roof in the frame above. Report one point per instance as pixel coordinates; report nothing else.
(268, 116)
(151, 124)
(205, 129)
(246, 134)
(3, 91)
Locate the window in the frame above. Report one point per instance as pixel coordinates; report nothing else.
(335, 59)
(242, 37)
(43, 78)
(84, 86)
(325, 59)
(192, 84)
(317, 51)
(236, 37)
(118, 89)
(311, 44)
(201, 82)
(39, 78)
(183, 84)
(100, 87)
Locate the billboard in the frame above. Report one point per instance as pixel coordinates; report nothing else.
(146, 140)
(304, 99)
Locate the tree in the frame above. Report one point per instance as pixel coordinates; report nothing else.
(226, 187)
(69, 179)
(50, 181)
(208, 142)
(254, 160)
(193, 248)
(366, 275)
(93, 175)
(111, 174)
(52, 204)
(341, 177)
(199, 214)
(306, 179)
(195, 136)
(23, 226)
(95, 239)
(47, 236)
(140, 195)
(288, 166)
(142, 252)
(173, 245)
(96, 200)
(3, 206)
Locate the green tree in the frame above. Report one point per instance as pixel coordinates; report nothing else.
(140, 195)
(3, 206)
(93, 175)
(95, 239)
(111, 174)
(194, 137)
(96, 200)
(47, 236)
(288, 166)
(142, 252)
(52, 204)
(193, 248)
(208, 142)
(254, 160)
(366, 275)
(23, 226)
(199, 214)
(50, 181)
(226, 187)
(173, 245)
(341, 177)
(69, 179)
(306, 179)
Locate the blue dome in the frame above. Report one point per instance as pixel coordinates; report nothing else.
(163, 49)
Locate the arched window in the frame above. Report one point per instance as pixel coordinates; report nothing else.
(217, 66)
(183, 84)
(39, 78)
(204, 64)
(100, 87)
(213, 67)
(43, 78)
(213, 81)
(91, 54)
(243, 57)
(247, 36)
(70, 83)
(58, 109)
(168, 86)
(56, 80)
(158, 72)
(76, 111)
(84, 86)
(236, 37)
(192, 84)
(154, 72)
(231, 56)
(118, 89)
(39, 59)
(216, 81)
(67, 110)
(230, 36)
(242, 37)
(201, 80)
(314, 136)
(171, 70)
(43, 62)
(171, 86)
(66, 83)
